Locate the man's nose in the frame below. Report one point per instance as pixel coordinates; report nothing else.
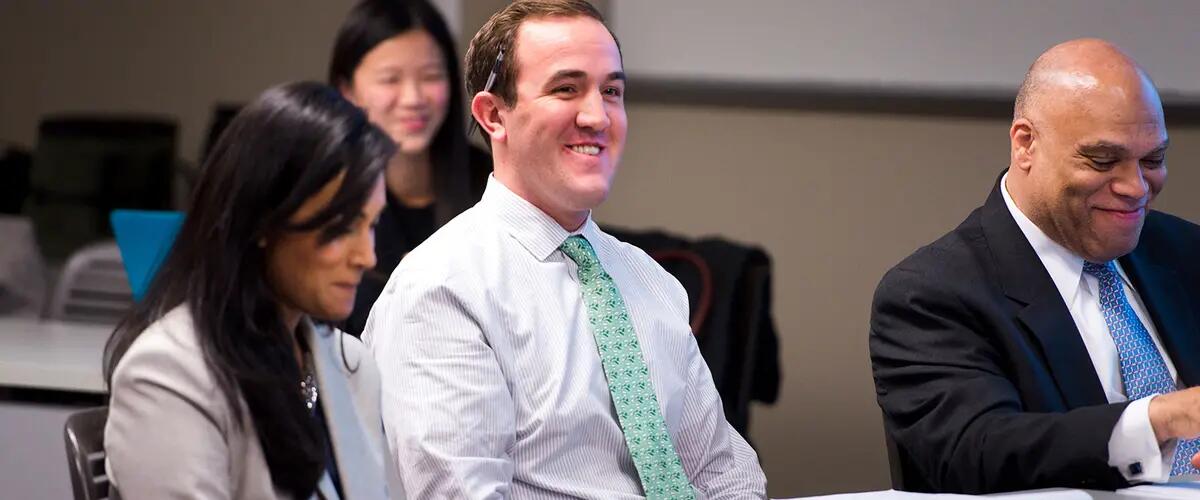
(592, 113)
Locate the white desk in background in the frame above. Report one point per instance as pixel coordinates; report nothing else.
(52, 355)
(48, 370)
(1171, 491)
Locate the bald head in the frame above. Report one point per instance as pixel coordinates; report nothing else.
(1088, 148)
(1082, 71)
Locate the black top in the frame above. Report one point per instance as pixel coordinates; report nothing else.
(401, 228)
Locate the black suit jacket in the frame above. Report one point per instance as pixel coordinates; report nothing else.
(984, 381)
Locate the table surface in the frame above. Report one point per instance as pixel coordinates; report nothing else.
(1170, 491)
(66, 356)
(52, 355)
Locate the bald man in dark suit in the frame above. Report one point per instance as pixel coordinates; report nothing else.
(1050, 339)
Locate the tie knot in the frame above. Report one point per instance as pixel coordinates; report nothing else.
(580, 250)
(1101, 270)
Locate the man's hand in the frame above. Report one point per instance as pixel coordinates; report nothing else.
(1176, 415)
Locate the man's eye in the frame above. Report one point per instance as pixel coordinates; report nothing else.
(613, 91)
(565, 89)
(1153, 162)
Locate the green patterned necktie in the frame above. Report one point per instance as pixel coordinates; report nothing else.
(641, 420)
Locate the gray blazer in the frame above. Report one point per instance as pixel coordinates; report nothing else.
(171, 434)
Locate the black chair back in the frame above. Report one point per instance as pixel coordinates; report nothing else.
(14, 179)
(84, 436)
(728, 287)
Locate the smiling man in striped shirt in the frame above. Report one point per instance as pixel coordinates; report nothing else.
(524, 352)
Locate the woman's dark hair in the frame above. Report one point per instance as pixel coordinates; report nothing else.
(276, 153)
(372, 22)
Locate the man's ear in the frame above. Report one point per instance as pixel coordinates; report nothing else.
(485, 108)
(1024, 141)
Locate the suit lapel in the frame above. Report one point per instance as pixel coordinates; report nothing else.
(1040, 306)
(360, 472)
(1166, 301)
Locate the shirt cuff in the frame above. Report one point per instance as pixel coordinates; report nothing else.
(1134, 450)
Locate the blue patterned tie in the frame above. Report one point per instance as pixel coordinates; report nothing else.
(654, 456)
(1143, 370)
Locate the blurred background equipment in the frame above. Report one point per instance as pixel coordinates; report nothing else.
(14, 178)
(93, 287)
(22, 271)
(85, 166)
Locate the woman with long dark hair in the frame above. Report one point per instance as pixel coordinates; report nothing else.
(396, 60)
(224, 381)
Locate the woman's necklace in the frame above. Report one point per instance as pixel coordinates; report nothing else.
(308, 388)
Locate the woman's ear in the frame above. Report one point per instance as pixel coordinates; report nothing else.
(347, 92)
(485, 108)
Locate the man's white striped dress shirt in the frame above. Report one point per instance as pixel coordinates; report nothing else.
(492, 384)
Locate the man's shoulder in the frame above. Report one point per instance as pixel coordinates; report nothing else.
(457, 243)
(954, 252)
(1170, 240)
(1162, 226)
(648, 273)
(952, 268)
(618, 247)
(630, 255)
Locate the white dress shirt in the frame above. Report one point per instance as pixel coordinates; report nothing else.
(492, 383)
(1132, 440)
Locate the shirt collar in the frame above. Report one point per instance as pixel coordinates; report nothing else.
(1065, 268)
(535, 230)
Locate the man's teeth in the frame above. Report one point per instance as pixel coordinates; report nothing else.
(586, 150)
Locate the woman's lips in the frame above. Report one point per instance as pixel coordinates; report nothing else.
(412, 125)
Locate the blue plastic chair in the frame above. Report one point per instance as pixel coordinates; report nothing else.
(144, 238)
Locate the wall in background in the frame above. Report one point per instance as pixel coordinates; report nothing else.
(836, 196)
(939, 46)
(165, 58)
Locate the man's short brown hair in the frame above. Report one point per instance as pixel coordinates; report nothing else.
(500, 32)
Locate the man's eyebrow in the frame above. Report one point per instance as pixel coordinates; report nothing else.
(574, 74)
(567, 74)
(1102, 148)
(1106, 148)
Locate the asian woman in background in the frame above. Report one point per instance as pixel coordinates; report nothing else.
(396, 60)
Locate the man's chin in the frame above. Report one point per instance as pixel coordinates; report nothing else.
(589, 192)
(1112, 249)
(591, 199)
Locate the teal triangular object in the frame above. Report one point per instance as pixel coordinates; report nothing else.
(144, 238)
